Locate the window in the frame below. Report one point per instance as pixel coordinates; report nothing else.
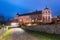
(48, 18)
(48, 11)
(20, 20)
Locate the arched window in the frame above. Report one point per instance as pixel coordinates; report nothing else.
(48, 18)
(48, 11)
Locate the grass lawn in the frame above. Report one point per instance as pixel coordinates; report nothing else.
(44, 36)
(6, 35)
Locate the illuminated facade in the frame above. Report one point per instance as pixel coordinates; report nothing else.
(46, 15)
(37, 16)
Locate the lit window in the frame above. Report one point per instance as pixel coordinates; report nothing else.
(32, 20)
(20, 20)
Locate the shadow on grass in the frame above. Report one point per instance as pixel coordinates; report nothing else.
(44, 36)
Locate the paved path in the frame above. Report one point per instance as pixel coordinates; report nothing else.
(20, 34)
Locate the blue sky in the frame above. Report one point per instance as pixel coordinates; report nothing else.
(10, 7)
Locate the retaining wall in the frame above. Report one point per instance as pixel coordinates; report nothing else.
(53, 28)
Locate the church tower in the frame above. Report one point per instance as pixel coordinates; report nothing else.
(46, 15)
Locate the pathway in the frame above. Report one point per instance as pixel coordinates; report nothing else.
(20, 34)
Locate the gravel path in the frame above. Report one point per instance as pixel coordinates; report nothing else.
(20, 34)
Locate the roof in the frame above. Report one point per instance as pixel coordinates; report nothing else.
(46, 8)
(18, 14)
(32, 13)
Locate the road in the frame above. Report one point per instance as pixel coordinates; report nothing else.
(20, 34)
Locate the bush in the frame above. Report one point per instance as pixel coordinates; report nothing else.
(9, 28)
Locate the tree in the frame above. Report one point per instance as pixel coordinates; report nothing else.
(2, 19)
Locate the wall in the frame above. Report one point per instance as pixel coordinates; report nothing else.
(46, 28)
(24, 19)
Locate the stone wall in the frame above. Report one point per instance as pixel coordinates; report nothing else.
(53, 28)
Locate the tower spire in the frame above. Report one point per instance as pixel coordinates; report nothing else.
(46, 7)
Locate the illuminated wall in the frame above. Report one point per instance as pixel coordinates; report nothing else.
(24, 19)
(38, 16)
(46, 15)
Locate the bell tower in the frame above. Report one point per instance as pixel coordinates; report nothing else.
(46, 15)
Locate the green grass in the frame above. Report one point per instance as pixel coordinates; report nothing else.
(9, 28)
(6, 35)
(44, 36)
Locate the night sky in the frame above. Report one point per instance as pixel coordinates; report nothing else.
(10, 7)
